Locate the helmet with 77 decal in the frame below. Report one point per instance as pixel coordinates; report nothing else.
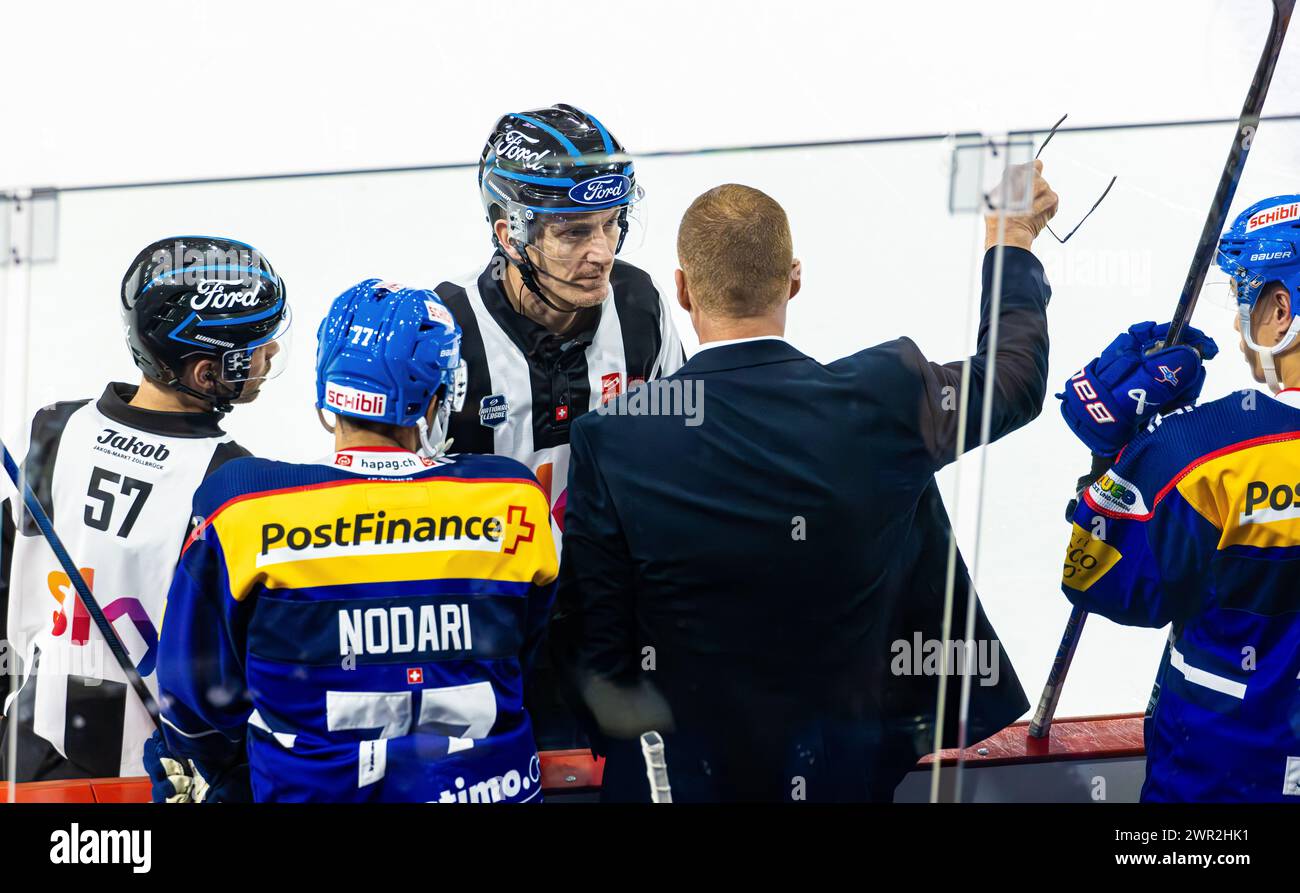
(1261, 247)
(384, 351)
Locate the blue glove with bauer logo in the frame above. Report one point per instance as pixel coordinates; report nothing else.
(1108, 400)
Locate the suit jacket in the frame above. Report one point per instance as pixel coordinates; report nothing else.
(764, 561)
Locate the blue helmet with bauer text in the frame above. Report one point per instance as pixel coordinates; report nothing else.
(1263, 246)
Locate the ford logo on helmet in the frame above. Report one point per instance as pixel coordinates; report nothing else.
(601, 190)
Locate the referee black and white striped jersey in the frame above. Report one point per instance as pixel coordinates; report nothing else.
(527, 385)
(118, 482)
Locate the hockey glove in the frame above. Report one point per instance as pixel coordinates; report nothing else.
(174, 780)
(1109, 399)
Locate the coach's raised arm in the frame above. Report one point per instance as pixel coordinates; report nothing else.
(756, 548)
(1020, 370)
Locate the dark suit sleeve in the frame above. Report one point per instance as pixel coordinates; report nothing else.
(540, 601)
(593, 628)
(1019, 371)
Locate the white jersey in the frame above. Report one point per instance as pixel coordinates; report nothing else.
(118, 483)
(527, 385)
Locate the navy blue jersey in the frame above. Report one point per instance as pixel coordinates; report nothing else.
(360, 629)
(1198, 526)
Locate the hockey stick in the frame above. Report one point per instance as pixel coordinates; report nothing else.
(79, 584)
(1247, 124)
(656, 770)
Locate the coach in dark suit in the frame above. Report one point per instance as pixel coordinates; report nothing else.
(755, 545)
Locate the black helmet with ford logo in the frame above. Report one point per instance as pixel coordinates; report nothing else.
(547, 165)
(188, 297)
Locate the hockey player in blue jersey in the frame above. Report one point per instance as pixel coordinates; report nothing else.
(359, 629)
(1197, 525)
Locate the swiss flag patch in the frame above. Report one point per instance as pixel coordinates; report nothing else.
(414, 676)
(562, 413)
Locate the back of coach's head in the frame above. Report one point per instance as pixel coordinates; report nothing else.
(738, 269)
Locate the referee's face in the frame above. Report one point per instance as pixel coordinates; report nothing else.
(577, 256)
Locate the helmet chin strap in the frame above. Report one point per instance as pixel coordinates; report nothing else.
(529, 272)
(434, 443)
(219, 402)
(1266, 354)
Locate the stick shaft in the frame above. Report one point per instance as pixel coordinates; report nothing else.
(1208, 244)
(1206, 248)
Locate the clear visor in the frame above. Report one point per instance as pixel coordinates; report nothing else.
(262, 360)
(1219, 291)
(1228, 292)
(593, 237)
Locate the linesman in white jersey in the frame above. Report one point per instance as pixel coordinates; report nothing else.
(555, 325)
(205, 319)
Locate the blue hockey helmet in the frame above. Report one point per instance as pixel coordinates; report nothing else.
(1263, 246)
(384, 351)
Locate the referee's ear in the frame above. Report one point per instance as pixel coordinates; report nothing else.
(683, 293)
(796, 278)
(502, 230)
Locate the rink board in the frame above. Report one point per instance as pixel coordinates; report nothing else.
(1086, 759)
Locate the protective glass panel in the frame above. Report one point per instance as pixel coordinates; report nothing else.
(894, 250)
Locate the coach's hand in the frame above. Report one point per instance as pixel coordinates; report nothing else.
(1109, 399)
(1020, 228)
